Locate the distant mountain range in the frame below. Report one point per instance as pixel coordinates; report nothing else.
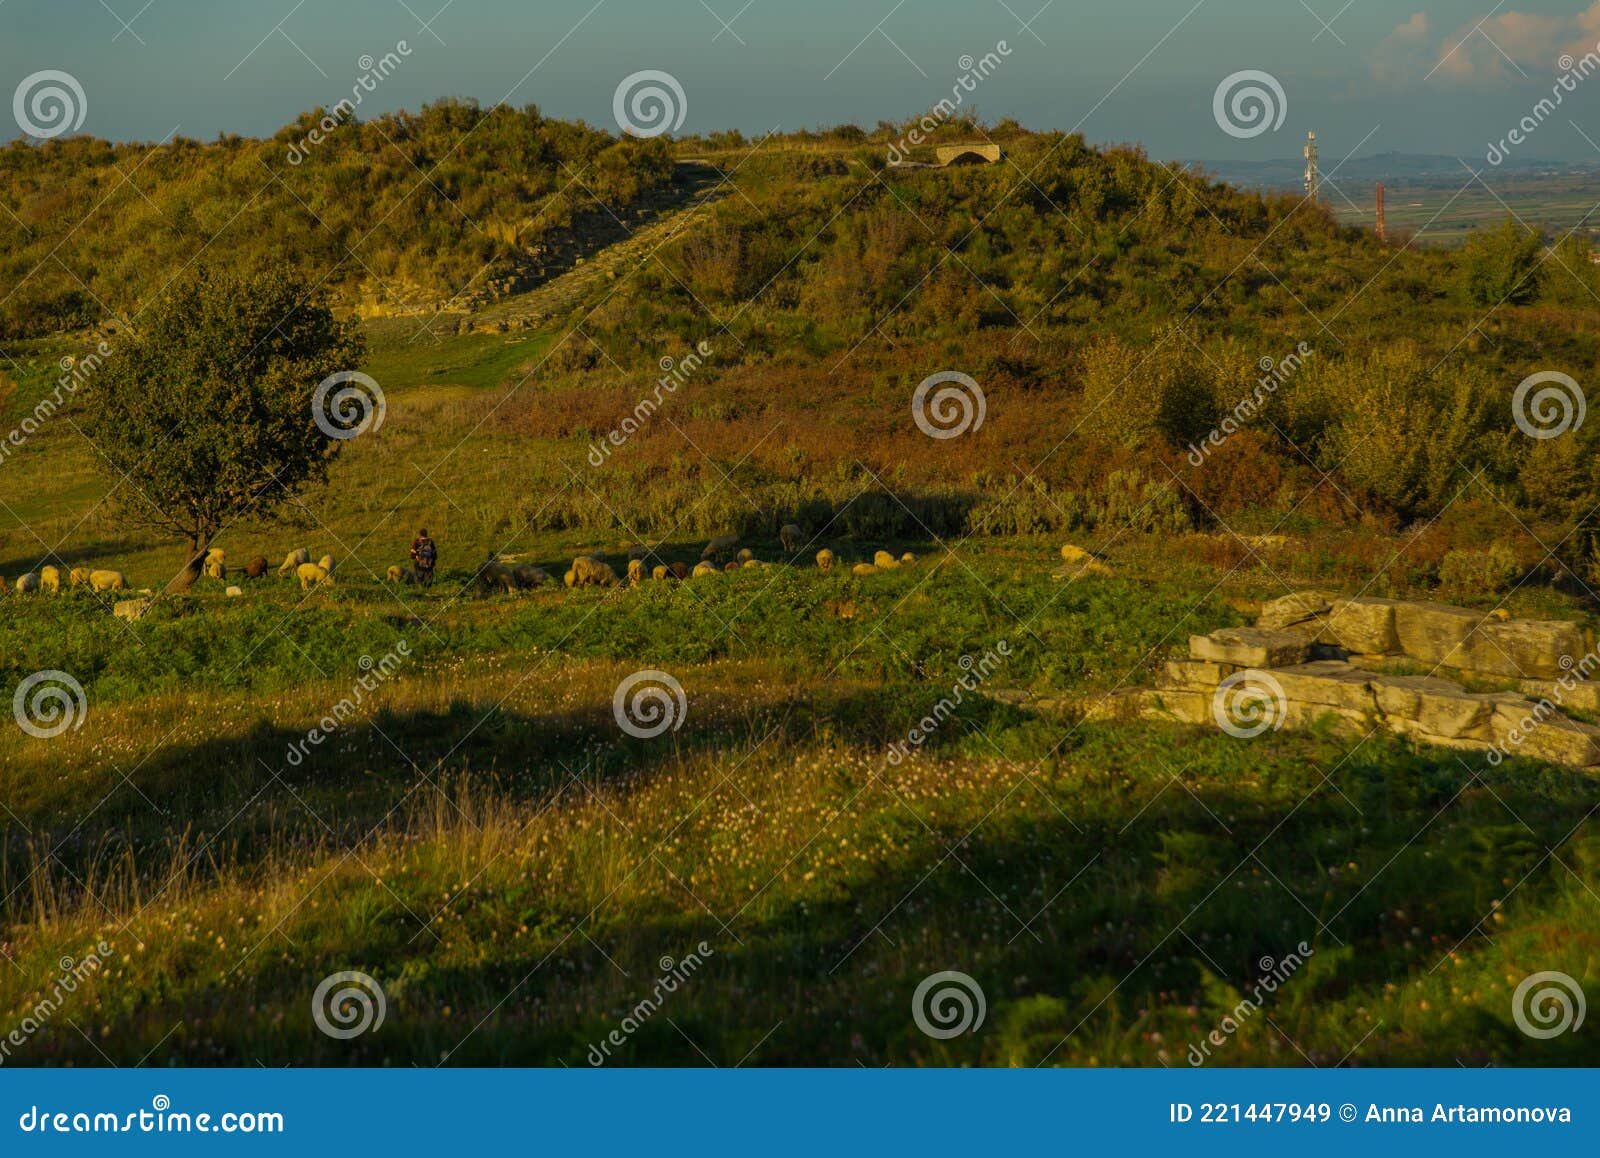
(1392, 168)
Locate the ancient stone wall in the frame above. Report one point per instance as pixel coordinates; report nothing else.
(1313, 658)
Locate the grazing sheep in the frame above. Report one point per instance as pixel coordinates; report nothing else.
(310, 574)
(1074, 554)
(731, 565)
(77, 576)
(50, 579)
(824, 560)
(256, 568)
(704, 568)
(493, 574)
(528, 576)
(107, 581)
(587, 571)
(659, 572)
(395, 573)
(884, 561)
(907, 559)
(789, 536)
(326, 563)
(4, 586)
(214, 566)
(570, 579)
(750, 564)
(636, 572)
(721, 545)
(293, 560)
(864, 569)
(28, 581)
(744, 556)
(1092, 567)
(680, 570)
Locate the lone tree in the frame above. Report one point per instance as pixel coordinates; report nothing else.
(208, 414)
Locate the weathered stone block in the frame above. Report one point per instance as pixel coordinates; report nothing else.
(1524, 648)
(1298, 715)
(1437, 707)
(1278, 614)
(1363, 625)
(1434, 632)
(1250, 647)
(1330, 683)
(1535, 731)
(1184, 707)
(1580, 695)
(1193, 674)
(1414, 730)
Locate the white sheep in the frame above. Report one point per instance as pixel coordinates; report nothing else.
(107, 581)
(214, 566)
(326, 563)
(587, 571)
(50, 579)
(310, 574)
(294, 559)
(28, 581)
(720, 545)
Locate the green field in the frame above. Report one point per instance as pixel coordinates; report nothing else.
(1446, 211)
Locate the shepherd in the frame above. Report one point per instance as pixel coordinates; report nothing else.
(423, 556)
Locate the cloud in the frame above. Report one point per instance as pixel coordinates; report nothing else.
(1506, 47)
(1399, 57)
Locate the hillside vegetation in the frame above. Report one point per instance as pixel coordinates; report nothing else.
(407, 211)
(477, 833)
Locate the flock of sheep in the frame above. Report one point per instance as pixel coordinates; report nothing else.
(48, 579)
(296, 563)
(493, 574)
(591, 571)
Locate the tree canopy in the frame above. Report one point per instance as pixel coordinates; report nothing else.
(206, 413)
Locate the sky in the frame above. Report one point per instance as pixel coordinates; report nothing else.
(1370, 76)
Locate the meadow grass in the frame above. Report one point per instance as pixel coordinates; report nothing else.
(483, 839)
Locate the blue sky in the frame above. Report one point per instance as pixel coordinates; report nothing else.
(1444, 76)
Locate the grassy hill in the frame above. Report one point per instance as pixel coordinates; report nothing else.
(403, 213)
(479, 835)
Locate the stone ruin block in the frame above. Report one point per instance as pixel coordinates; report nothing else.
(1435, 632)
(1250, 647)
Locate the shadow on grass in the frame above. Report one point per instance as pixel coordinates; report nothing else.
(273, 786)
(1122, 911)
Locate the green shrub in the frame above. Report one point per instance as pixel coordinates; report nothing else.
(1472, 571)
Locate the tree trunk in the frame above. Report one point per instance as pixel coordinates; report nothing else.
(185, 579)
